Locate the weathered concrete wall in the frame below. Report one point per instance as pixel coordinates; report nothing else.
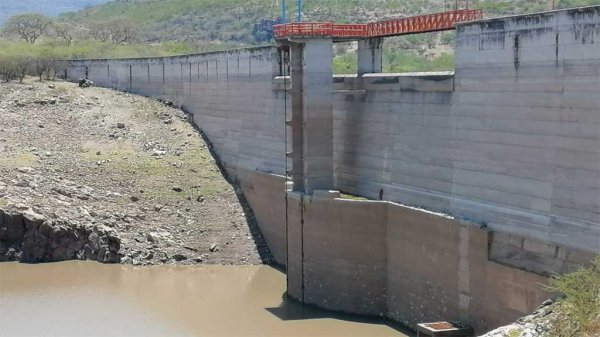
(526, 117)
(511, 141)
(384, 259)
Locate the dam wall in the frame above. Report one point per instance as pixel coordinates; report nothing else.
(510, 141)
(385, 259)
(487, 178)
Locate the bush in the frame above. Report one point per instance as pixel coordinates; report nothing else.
(578, 314)
(8, 70)
(18, 59)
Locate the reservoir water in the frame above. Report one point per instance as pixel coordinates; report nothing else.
(92, 299)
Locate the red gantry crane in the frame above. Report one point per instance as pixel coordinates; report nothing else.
(403, 26)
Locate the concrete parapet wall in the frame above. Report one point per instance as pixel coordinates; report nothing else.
(229, 94)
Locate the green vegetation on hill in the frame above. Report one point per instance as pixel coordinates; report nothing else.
(235, 20)
(132, 28)
(396, 62)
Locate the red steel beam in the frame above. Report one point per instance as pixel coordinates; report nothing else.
(411, 25)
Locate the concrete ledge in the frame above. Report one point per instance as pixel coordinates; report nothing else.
(422, 82)
(535, 256)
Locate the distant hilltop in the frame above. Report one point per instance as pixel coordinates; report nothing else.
(9, 8)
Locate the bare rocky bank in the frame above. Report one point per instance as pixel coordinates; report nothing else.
(92, 173)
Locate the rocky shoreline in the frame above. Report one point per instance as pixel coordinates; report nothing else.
(27, 236)
(535, 325)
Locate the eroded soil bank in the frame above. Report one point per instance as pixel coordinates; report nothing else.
(92, 173)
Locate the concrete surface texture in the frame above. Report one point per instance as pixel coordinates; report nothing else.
(312, 115)
(384, 259)
(511, 141)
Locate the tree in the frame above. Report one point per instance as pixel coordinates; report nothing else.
(29, 27)
(65, 31)
(119, 31)
(122, 31)
(22, 67)
(100, 32)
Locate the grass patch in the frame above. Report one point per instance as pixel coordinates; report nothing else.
(148, 110)
(578, 313)
(194, 171)
(18, 160)
(514, 333)
(3, 203)
(351, 197)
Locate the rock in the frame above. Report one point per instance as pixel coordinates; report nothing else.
(179, 257)
(32, 219)
(198, 259)
(48, 154)
(157, 153)
(51, 86)
(134, 198)
(200, 198)
(121, 125)
(41, 126)
(157, 208)
(25, 170)
(62, 192)
(177, 189)
(85, 83)
(12, 227)
(213, 248)
(22, 183)
(99, 153)
(152, 237)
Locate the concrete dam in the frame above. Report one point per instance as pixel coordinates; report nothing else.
(481, 182)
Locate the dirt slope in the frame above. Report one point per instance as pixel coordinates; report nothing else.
(98, 157)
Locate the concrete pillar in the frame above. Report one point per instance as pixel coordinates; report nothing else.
(312, 115)
(370, 56)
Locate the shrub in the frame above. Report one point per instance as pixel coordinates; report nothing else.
(8, 70)
(578, 314)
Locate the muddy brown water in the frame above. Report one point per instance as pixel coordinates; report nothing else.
(92, 299)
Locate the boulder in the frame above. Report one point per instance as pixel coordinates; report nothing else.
(12, 227)
(85, 83)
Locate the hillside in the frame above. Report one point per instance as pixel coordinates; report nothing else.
(242, 21)
(9, 8)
